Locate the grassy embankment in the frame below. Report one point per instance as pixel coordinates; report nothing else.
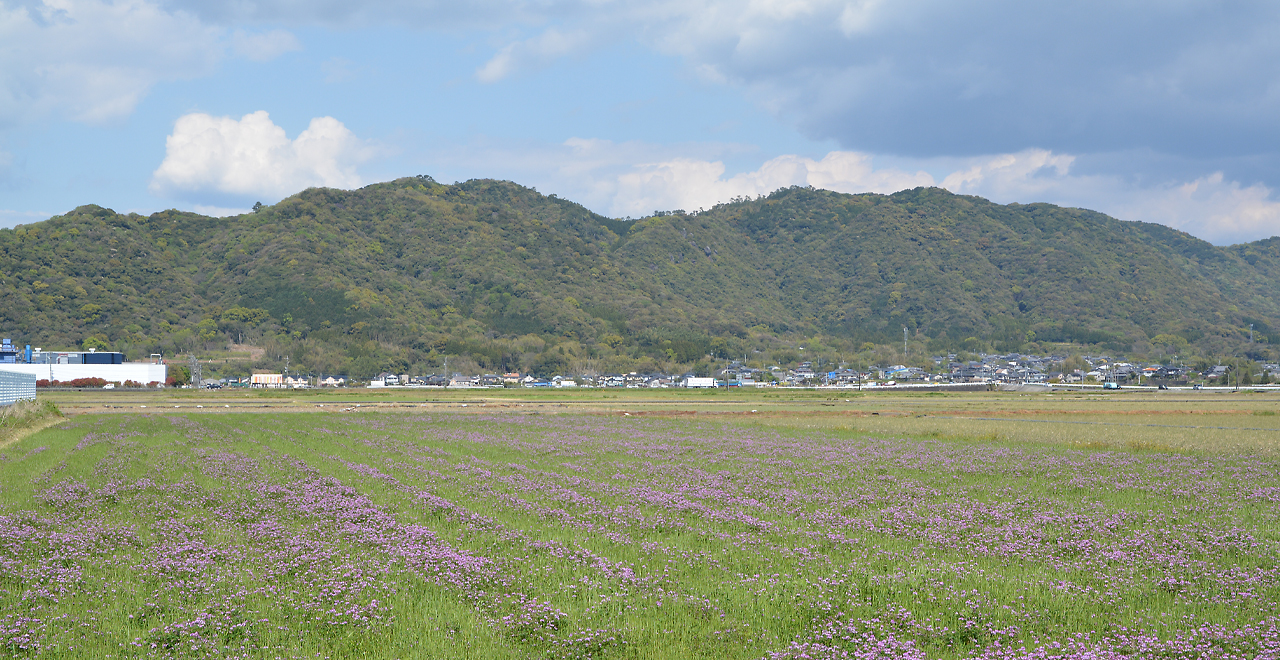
(26, 417)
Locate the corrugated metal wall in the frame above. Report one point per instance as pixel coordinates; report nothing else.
(15, 387)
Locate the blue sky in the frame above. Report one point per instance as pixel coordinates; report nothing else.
(1161, 111)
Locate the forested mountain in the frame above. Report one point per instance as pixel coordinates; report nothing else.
(399, 275)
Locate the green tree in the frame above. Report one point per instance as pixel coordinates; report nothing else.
(178, 375)
(208, 330)
(245, 315)
(97, 343)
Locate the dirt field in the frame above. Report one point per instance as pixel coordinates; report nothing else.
(1162, 421)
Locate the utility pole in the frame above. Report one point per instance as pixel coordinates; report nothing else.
(196, 376)
(1250, 333)
(904, 343)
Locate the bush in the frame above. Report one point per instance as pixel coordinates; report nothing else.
(78, 382)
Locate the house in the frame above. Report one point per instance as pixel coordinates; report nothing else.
(463, 382)
(894, 371)
(270, 381)
(330, 381)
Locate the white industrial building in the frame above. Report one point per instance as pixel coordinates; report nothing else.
(67, 366)
(138, 372)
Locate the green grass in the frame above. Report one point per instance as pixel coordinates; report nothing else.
(697, 537)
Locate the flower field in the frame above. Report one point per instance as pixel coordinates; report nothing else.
(571, 536)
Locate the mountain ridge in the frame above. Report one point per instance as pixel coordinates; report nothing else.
(398, 275)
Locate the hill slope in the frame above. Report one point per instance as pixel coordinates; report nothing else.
(400, 274)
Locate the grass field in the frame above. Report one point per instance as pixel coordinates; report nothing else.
(649, 526)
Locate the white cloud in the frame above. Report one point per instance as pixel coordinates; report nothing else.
(436, 14)
(10, 218)
(923, 78)
(218, 211)
(1010, 175)
(91, 60)
(263, 46)
(1208, 207)
(934, 77)
(928, 78)
(536, 52)
(252, 156)
(690, 184)
(581, 169)
(635, 179)
(857, 16)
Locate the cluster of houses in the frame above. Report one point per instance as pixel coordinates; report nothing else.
(274, 381)
(1013, 368)
(1016, 368)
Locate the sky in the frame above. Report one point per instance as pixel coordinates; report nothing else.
(1155, 110)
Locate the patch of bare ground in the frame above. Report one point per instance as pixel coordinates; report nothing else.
(255, 352)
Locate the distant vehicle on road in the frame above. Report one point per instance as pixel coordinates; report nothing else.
(1111, 386)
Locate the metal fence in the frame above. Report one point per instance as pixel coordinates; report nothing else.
(15, 387)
